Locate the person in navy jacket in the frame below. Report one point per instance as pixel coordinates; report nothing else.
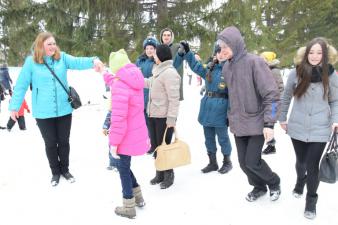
(145, 62)
(50, 105)
(214, 106)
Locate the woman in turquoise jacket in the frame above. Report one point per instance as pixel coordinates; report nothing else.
(50, 104)
(214, 106)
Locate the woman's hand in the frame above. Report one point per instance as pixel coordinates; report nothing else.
(335, 127)
(14, 115)
(98, 65)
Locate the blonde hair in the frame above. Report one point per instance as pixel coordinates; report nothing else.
(39, 50)
(332, 55)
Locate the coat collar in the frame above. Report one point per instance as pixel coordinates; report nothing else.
(157, 69)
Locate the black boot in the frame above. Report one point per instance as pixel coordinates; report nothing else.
(212, 166)
(55, 180)
(168, 179)
(227, 165)
(158, 178)
(269, 150)
(310, 206)
(299, 187)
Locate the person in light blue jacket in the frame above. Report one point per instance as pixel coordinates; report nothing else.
(50, 105)
(214, 105)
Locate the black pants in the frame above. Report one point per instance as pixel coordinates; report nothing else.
(250, 160)
(156, 130)
(55, 132)
(308, 155)
(21, 122)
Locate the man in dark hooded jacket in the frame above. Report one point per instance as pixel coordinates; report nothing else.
(167, 38)
(254, 103)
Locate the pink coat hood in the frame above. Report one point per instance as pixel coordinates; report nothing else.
(128, 130)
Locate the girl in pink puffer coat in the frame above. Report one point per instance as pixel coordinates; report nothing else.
(128, 134)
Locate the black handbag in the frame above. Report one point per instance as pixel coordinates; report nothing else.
(328, 170)
(73, 96)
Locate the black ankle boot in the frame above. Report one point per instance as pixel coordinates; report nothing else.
(168, 179)
(158, 178)
(55, 180)
(212, 166)
(227, 165)
(310, 206)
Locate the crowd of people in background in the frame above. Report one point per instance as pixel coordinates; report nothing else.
(243, 93)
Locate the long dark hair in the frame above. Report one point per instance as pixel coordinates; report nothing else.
(211, 66)
(304, 69)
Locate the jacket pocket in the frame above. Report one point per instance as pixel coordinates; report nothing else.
(159, 107)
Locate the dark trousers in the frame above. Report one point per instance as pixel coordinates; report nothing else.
(55, 132)
(21, 122)
(222, 137)
(308, 155)
(128, 180)
(250, 160)
(156, 130)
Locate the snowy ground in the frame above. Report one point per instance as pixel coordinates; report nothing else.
(26, 196)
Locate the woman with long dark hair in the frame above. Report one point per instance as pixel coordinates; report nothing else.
(313, 85)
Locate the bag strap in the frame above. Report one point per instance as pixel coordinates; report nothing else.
(165, 134)
(332, 146)
(53, 73)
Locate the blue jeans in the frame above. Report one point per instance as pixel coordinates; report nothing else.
(222, 136)
(128, 180)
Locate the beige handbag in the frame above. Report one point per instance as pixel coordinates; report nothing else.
(172, 155)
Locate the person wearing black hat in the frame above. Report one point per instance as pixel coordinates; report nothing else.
(163, 104)
(145, 62)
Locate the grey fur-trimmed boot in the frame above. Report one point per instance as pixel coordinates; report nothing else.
(139, 201)
(128, 208)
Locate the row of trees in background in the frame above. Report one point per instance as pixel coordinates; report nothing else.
(97, 27)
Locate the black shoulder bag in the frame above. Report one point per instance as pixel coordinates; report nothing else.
(328, 170)
(73, 96)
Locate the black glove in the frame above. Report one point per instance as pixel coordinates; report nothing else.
(184, 48)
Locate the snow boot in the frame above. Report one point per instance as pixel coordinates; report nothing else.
(159, 177)
(128, 208)
(212, 166)
(299, 187)
(69, 177)
(275, 193)
(227, 165)
(255, 194)
(55, 180)
(168, 179)
(310, 206)
(270, 149)
(139, 201)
